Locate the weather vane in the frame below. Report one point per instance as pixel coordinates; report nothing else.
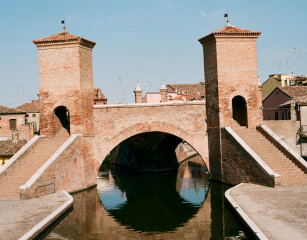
(226, 16)
(64, 28)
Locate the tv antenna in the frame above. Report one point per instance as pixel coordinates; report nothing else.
(295, 52)
(122, 92)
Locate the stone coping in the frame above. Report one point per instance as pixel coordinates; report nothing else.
(134, 105)
(45, 166)
(20, 153)
(38, 228)
(260, 162)
(250, 223)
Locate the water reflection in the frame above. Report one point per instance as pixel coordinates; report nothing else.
(151, 202)
(126, 205)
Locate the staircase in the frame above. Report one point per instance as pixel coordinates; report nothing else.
(23, 169)
(290, 173)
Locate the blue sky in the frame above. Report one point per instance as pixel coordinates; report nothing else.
(144, 40)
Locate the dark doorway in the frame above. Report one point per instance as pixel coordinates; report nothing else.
(62, 118)
(239, 110)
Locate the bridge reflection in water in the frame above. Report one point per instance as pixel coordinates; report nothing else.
(128, 205)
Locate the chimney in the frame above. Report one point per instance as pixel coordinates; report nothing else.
(163, 91)
(15, 136)
(138, 93)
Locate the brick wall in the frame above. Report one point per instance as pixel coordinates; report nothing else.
(66, 79)
(5, 123)
(239, 166)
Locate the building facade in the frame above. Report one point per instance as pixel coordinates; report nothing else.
(32, 110)
(277, 105)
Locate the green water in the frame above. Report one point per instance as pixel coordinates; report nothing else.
(176, 205)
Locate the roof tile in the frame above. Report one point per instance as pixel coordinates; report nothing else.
(294, 91)
(9, 148)
(63, 37)
(30, 107)
(7, 110)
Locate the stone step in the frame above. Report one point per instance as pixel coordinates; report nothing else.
(272, 156)
(24, 168)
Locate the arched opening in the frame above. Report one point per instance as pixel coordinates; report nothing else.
(151, 152)
(239, 110)
(153, 182)
(62, 120)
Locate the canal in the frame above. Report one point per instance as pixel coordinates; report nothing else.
(181, 204)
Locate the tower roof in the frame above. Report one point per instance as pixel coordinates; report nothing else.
(229, 30)
(62, 38)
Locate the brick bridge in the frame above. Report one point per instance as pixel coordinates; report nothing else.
(169, 123)
(76, 136)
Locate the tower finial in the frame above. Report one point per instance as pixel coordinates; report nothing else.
(163, 85)
(226, 16)
(138, 86)
(64, 28)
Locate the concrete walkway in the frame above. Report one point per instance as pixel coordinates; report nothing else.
(18, 217)
(280, 213)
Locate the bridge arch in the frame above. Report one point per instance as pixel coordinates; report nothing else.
(107, 143)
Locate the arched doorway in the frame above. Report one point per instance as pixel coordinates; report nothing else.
(239, 110)
(62, 119)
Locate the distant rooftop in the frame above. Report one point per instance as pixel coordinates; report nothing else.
(9, 148)
(294, 91)
(7, 110)
(98, 95)
(30, 107)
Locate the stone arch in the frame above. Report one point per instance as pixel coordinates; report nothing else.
(61, 119)
(109, 143)
(239, 110)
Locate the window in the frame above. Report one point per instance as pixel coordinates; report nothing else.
(33, 115)
(13, 124)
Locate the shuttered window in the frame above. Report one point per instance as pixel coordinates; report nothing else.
(13, 124)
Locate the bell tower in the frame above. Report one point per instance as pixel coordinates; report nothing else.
(232, 88)
(65, 84)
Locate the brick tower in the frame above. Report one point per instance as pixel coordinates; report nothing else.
(65, 83)
(232, 88)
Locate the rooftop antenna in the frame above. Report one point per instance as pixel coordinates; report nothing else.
(149, 86)
(226, 16)
(295, 52)
(121, 89)
(63, 22)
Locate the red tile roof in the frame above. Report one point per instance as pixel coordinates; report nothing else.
(194, 91)
(7, 110)
(98, 95)
(229, 30)
(8, 148)
(63, 37)
(294, 91)
(232, 30)
(30, 107)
